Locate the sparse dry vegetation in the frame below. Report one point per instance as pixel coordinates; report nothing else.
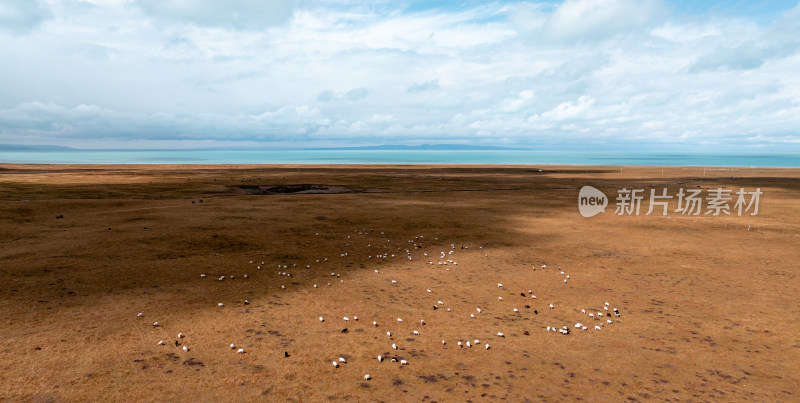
(708, 307)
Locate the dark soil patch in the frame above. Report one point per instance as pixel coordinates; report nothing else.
(300, 189)
(191, 362)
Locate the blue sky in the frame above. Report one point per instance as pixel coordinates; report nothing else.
(575, 74)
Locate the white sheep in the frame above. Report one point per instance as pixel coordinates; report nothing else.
(394, 346)
(487, 346)
(342, 360)
(335, 364)
(596, 327)
(415, 333)
(500, 334)
(161, 342)
(403, 362)
(367, 377)
(240, 351)
(380, 359)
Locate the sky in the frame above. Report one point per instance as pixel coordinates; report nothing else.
(646, 75)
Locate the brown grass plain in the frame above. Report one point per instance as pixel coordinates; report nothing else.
(708, 304)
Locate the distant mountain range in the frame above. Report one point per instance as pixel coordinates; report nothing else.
(438, 147)
(21, 147)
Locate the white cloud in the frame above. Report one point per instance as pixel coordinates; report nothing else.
(352, 95)
(429, 85)
(569, 110)
(234, 14)
(597, 19)
(601, 72)
(52, 121)
(686, 33)
(22, 16)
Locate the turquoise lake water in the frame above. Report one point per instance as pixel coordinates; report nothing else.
(527, 157)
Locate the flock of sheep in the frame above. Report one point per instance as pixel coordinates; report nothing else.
(414, 249)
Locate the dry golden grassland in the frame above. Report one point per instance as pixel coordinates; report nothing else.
(708, 308)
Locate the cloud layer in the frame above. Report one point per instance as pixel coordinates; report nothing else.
(576, 74)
